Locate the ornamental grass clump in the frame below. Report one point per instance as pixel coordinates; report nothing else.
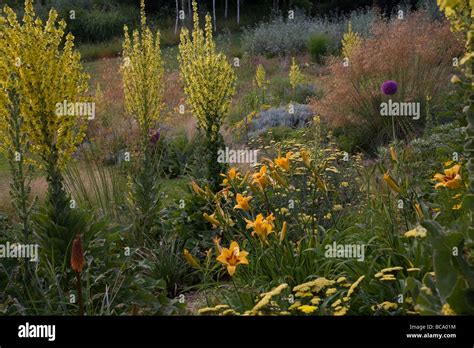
(209, 85)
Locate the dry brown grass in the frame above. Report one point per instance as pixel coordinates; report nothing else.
(415, 52)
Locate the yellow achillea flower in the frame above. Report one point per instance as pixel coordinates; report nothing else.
(336, 303)
(385, 305)
(391, 269)
(447, 310)
(284, 162)
(307, 309)
(261, 226)
(417, 232)
(354, 285)
(261, 177)
(340, 311)
(315, 285)
(303, 294)
(266, 297)
(191, 260)
(450, 179)
(413, 269)
(206, 310)
(294, 305)
(315, 300)
(243, 202)
(387, 277)
(393, 185)
(331, 291)
(341, 280)
(232, 257)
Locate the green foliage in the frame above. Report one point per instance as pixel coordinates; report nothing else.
(318, 47)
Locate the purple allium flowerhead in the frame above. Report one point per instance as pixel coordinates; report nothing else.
(389, 87)
(154, 135)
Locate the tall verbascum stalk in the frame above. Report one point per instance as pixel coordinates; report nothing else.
(461, 14)
(143, 73)
(14, 144)
(49, 71)
(209, 85)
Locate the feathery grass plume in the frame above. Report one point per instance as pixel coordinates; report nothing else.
(143, 72)
(209, 85)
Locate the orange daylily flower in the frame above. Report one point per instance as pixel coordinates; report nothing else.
(243, 202)
(284, 162)
(261, 177)
(389, 180)
(261, 226)
(232, 257)
(450, 179)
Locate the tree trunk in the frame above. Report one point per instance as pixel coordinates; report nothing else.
(214, 13)
(177, 17)
(225, 8)
(238, 11)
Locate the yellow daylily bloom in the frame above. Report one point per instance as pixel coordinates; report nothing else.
(232, 257)
(389, 180)
(191, 260)
(261, 177)
(261, 226)
(283, 231)
(306, 158)
(243, 202)
(212, 219)
(199, 191)
(233, 173)
(450, 179)
(419, 211)
(393, 154)
(284, 162)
